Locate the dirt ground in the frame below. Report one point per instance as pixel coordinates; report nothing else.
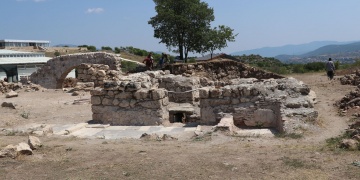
(214, 157)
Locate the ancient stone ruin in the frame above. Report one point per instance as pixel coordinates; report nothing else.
(54, 72)
(203, 94)
(193, 94)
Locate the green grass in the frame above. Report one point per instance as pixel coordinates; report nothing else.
(289, 135)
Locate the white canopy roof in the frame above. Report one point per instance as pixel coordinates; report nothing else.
(21, 60)
(25, 41)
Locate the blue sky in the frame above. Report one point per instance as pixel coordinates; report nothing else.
(259, 23)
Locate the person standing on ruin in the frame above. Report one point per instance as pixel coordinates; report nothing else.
(164, 59)
(330, 69)
(149, 61)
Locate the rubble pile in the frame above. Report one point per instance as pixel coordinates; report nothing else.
(351, 79)
(7, 87)
(350, 100)
(352, 143)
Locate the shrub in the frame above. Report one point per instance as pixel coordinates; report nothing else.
(127, 66)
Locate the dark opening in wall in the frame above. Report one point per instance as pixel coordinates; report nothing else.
(177, 117)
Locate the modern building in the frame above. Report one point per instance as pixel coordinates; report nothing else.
(15, 65)
(6, 43)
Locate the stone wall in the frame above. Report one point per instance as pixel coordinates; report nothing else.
(220, 70)
(130, 102)
(283, 104)
(150, 98)
(96, 73)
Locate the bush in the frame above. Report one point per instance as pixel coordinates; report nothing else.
(106, 48)
(298, 68)
(127, 66)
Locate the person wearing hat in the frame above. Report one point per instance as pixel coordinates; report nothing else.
(330, 69)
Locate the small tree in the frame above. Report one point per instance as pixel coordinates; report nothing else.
(91, 48)
(117, 50)
(106, 48)
(57, 53)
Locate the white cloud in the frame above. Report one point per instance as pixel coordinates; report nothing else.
(95, 10)
(39, 0)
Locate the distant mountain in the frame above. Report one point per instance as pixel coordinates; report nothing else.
(344, 53)
(335, 49)
(288, 49)
(65, 45)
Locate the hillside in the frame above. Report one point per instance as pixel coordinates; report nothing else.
(346, 53)
(287, 49)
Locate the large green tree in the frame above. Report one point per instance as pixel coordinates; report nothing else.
(182, 24)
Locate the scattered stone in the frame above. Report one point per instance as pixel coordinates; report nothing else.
(23, 149)
(198, 131)
(8, 151)
(350, 144)
(81, 101)
(75, 93)
(9, 105)
(34, 142)
(11, 94)
(226, 124)
(156, 137)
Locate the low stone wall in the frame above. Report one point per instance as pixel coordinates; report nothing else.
(96, 73)
(220, 70)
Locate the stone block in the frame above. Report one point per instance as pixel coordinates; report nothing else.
(215, 93)
(116, 102)
(133, 103)
(107, 101)
(294, 102)
(262, 118)
(204, 93)
(92, 71)
(151, 104)
(101, 73)
(158, 93)
(110, 93)
(111, 85)
(124, 95)
(124, 103)
(142, 94)
(95, 100)
(226, 91)
(165, 101)
(133, 86)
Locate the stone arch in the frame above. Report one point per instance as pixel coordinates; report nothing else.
(60, 81)
(53, 73)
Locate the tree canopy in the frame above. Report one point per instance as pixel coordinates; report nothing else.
(185, 26)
